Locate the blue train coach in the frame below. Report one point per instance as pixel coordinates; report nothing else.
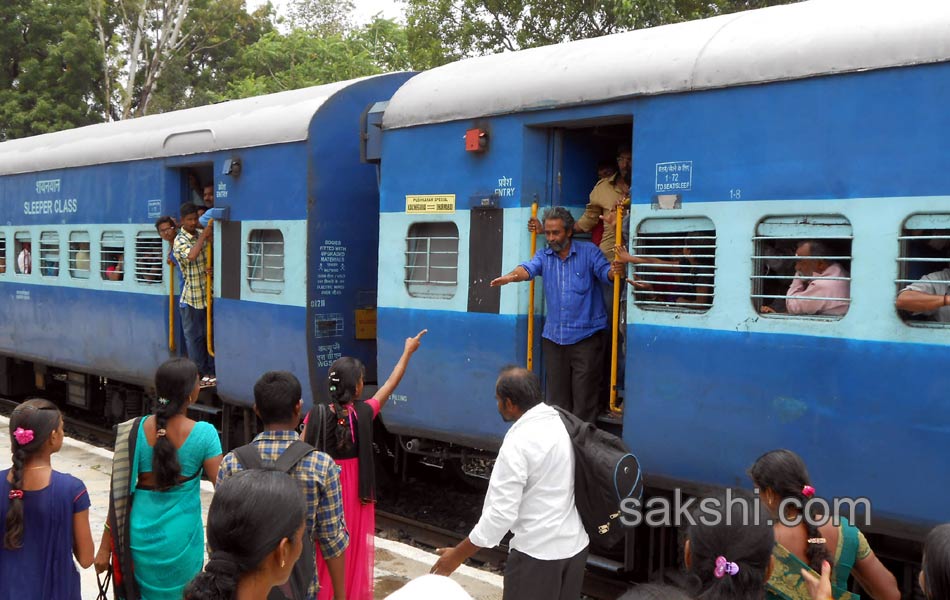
(750, 133)
(87, 306)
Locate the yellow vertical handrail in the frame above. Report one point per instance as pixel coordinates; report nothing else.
(615, 337)
(209, 333)
(534, 248)
(171, 308)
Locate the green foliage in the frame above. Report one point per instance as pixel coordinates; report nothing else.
(442, 31)
(49, 67)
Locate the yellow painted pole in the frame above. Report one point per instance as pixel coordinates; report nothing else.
(209, 337)
(171, 308)
(534, 248)
(615, 337)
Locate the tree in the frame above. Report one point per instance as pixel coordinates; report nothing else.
(49, 67)
(442, 31)
(325, 17)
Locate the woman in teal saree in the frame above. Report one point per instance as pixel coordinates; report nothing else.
(800, 543)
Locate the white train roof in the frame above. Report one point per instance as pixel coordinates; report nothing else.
(258, 121)
(818, 37)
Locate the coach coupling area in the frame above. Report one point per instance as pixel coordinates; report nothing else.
(395, 565)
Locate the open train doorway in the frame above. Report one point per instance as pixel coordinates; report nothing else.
(589, 172)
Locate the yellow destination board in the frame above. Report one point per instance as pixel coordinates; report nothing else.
(430, 204)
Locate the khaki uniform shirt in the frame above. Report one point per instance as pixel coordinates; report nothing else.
(603, 199)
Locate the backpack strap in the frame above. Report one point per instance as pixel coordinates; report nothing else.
(293, 455)
(317, 426)
(248, 457)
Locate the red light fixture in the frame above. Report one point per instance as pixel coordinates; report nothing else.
(476, 140)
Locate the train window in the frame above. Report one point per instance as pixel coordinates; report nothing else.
(432, 259)
(112, 261)
(265, 261)
(79, 256)
(675, 264)
(148, 257)
(49, 254)
(923, 270)
(801, 266)
(23, 249)
(3, 253)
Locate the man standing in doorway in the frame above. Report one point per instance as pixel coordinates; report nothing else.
(574, 331)
(531, 494)
(189, 251)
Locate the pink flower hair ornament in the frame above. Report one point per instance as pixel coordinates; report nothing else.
(15, 495)
(808, 491)
(23, 436)
(723, 566)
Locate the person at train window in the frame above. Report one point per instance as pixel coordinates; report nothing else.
(44, 514)
(157, 467)
(194, 189)
(256, 525)
(3, 263)
(821, 286)
(531, 494)
(207, 197)
(115, 271)
(784, 484)
(189, 251)
(574, 331)
(930, 296)
(81, 259)
(24, 260)
(728, 548)
(346, 434)
(278, 402)
(689, 269)
(168, 230)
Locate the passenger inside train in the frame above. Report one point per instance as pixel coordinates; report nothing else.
(924, 289)
(821, 286)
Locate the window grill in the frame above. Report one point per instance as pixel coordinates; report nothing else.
(112, 263)
(432, 255)
(23, 252)
(149, 258)
(79, 255)
(265, 260)
(924, 264)
(777, 286)
(3, 253)
(49, 254)
(674, 264)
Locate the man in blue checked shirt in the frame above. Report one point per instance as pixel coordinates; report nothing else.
(574, 330)
(277, 401)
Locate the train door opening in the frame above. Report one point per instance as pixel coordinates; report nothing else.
(588, 172)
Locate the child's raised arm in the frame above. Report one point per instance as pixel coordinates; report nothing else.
(412, 344)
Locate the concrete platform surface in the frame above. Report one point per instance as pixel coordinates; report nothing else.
(396, 563)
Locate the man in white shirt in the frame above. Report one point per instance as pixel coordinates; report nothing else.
(531, 493)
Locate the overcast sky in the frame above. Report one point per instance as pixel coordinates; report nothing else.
(365, 9)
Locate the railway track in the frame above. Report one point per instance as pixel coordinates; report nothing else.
(75, 427)
(596, 585)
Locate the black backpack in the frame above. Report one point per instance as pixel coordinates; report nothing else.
(605, 474)
(299, 583)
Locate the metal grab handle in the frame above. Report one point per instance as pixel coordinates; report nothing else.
(534, 248)
(615, 332)
(171, 308)
(209, 334)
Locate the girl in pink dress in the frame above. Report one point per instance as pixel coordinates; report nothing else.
(347, 436)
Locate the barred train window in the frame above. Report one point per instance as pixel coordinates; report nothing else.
(3, 253)
(112, 261)
(802, 266)
(23, 252)
(265, 261)
(79, 256)
(49, 254)
(149, 257)
(675, 264)
(432, 260)
(923, 268)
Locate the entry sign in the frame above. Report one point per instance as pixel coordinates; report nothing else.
(431, 204)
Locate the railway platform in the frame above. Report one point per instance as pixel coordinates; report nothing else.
(396, 563)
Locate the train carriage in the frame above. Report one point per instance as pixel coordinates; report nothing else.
(294, 244)
(749, 132)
